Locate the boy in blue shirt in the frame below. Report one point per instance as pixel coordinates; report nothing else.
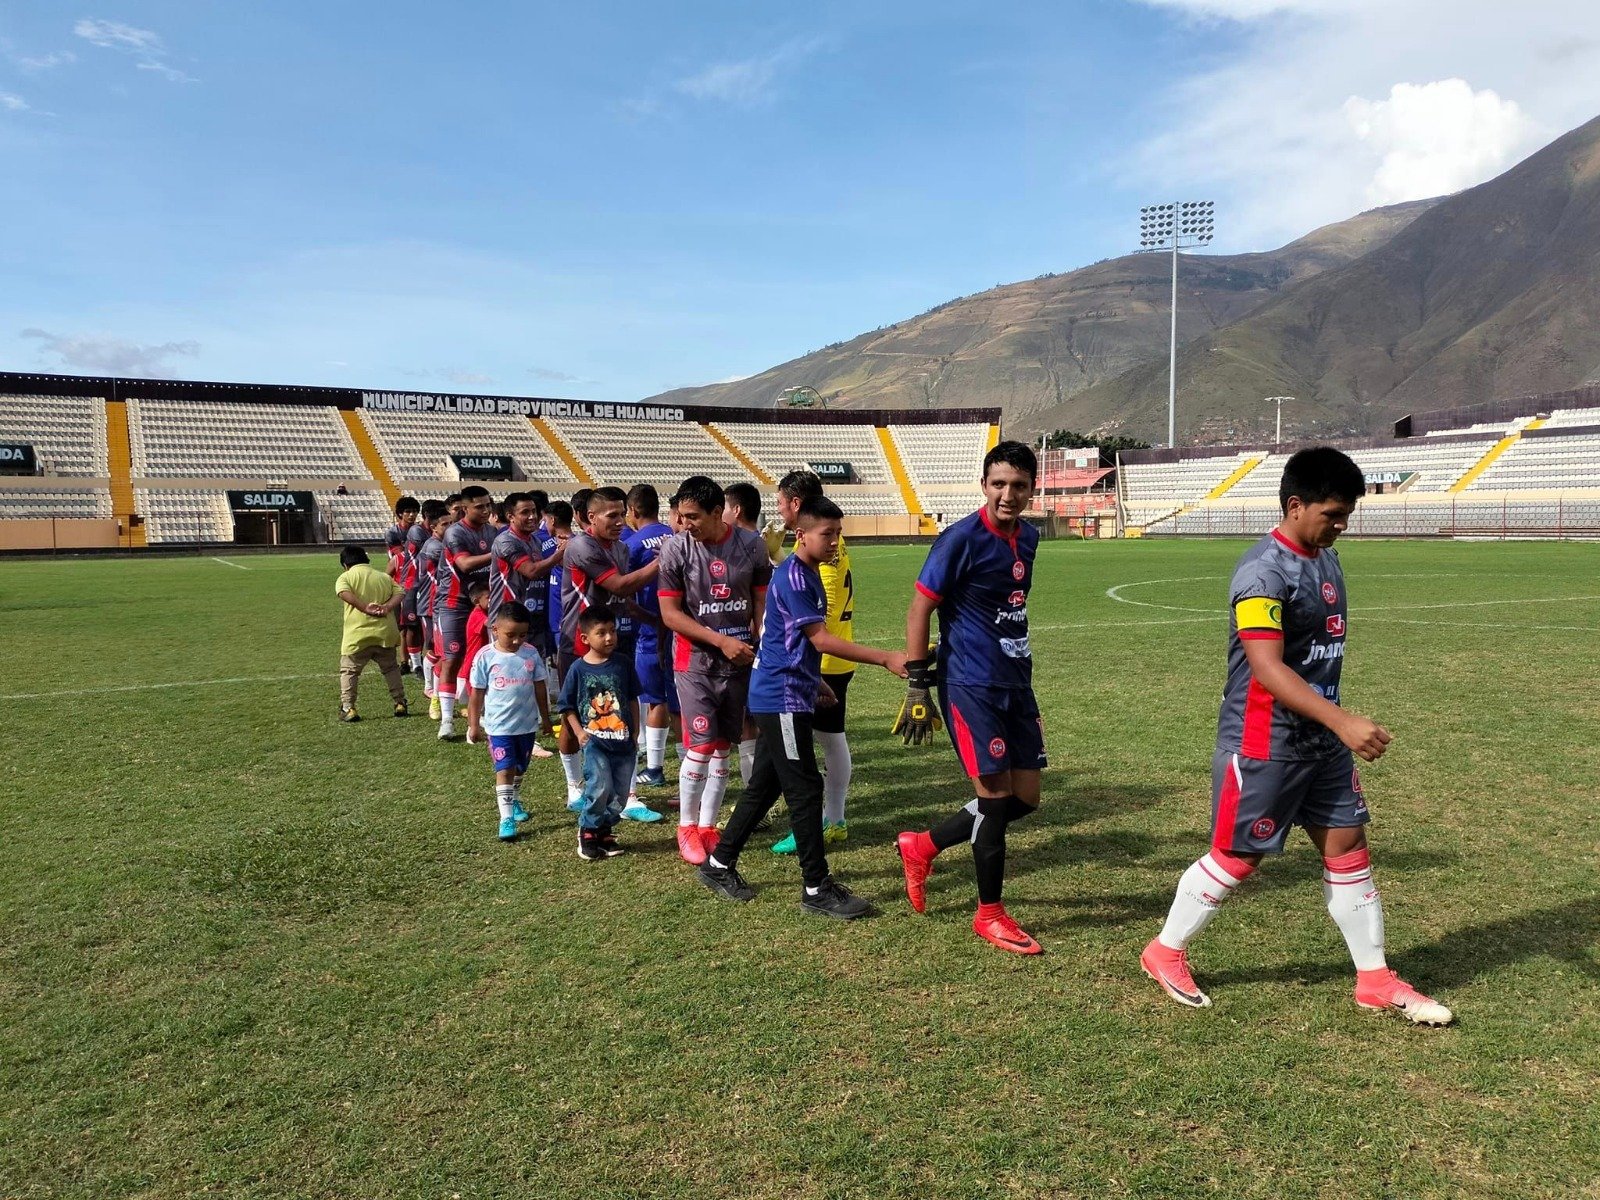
(597, 705)
(785, 689)
(505, 704)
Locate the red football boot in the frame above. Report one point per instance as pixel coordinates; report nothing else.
(917, 852)
(994, 925)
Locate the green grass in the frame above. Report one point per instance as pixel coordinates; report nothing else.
(250, 951)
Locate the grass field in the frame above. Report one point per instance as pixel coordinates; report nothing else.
(249, 951)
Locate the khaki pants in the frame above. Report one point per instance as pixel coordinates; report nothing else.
(351, 665)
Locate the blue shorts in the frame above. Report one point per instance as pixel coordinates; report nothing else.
(994, 729)
(511, 751)
(1255, 801)
(654, 678)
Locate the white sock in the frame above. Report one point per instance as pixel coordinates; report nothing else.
(447, 707)
(1201, 892)
(427, 675)
(461, 687)
(691, 784)
(416, 659)
(655, 748)
(572, 768)
(1354, 905)
(516, 789)
(505, 795)
(716, 786)
(747, 760)
(836, 769)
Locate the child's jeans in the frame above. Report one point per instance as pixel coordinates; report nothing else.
(607, 780)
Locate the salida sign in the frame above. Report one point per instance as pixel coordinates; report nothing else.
(834, 472)
(17, 458)
(268, 501)
(484, 466)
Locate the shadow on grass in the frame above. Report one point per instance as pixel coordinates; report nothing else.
(1566, 932)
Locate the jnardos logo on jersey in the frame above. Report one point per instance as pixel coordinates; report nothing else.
(729, 606)
(1317, 652)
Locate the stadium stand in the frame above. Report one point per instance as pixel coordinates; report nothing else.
(620, 450)
(418, 446)
(184, 515)
(781, 448)
(1570, 461)
(356, 516)
(943, 463)
(68, 433)
(175, 438)
(90, 503)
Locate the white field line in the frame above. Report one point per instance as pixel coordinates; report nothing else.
(226, 563)
(152, 687)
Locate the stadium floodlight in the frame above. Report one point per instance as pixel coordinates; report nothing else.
(1277, 438)
(1181, 225)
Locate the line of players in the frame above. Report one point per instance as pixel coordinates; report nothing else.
(1285, 748)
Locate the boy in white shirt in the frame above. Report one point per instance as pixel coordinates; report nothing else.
(505, 705)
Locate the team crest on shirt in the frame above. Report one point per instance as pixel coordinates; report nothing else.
(1263, 829)
(718, 568)
(1336, 625)
(997, 748)
(1018, 570)
(720, 591)
(1330, 593)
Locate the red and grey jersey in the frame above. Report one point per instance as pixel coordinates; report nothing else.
(1282, 591)
(506, 583)
(460, 541)
(394, 541)
(416, 537)
(722, 586)
(428, 559)
(587, 563)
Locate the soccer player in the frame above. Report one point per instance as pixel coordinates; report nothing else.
(594, 570)
(742, 509)
(515, 567)
(713, 583)
(785, 689)
(651, 662)
(558, 531)
(977, 577)
(401, 540)
(436, 519)
(1285, 748)
(465, 558)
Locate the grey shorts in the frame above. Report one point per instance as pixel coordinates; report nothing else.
(712, 707)
(1254, 801)
(450, 625)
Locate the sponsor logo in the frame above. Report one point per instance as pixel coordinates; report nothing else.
(718, 568)
(997, 748)
(1016, 647)
(1275, 614)
(1355, 781)
(720, 591)
(1018, 570)
(1336, 625)
(1330, 593)
(1263, 829)
(724, 606)
(499, 683)
(701, 723)
(1317, 652)
(1011, 614)
(1018, 598)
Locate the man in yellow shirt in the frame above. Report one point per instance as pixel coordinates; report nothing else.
(793, 491)
(370, 630)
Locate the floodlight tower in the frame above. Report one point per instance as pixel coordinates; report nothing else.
(1185, 224)
(1279, 400)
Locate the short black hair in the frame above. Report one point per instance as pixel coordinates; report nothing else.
(478, 587)
(703, 490)
(500, 510)
(407, 504)
(1321, 473)
(541, 499)
(452, 498)
(512, 610)
(746, 497)
(516, 498)
(1014, 454)
(560, 512)
(799, 484)
(351, 555)
(580, 504)
(611, 495)
(473, 492)
(818, 508)
(432, 510)
(644, 500)
(596, 614)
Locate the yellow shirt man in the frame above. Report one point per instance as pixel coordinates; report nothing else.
(361, 630)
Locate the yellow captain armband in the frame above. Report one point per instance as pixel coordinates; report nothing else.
(1259, 613)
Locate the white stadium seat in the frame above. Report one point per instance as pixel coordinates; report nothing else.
(67, 433)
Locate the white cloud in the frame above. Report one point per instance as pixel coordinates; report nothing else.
(1436, 138)
(111, 355)
(44, 62)
(1327, 107)
(115, 36)
(749, 81)
(169, 73)
(12, 103)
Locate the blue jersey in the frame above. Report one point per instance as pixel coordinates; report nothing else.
(980, 579)
(507, 682)
(788, 667)
(642, 549)
(552, 603)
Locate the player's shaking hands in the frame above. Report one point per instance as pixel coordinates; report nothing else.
(919, 718)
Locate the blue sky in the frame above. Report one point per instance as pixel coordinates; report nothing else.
(605, 201)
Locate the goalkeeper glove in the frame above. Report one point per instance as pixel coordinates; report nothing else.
(919, 719)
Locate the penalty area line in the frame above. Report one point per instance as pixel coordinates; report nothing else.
(226, 563)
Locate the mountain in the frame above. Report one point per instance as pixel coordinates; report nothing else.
(1031, 347)
(1492, 292)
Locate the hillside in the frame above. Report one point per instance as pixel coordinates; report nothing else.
(1492, 292)
(1032, 346)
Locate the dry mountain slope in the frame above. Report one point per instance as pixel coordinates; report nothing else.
(1492, 292)
(1028, 346)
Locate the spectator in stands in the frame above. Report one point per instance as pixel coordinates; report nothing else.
(370, 631)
